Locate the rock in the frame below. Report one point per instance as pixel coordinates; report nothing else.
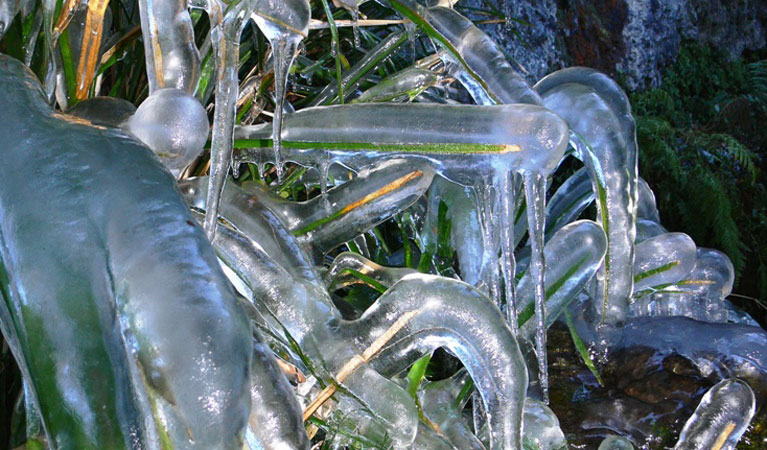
(629, 39)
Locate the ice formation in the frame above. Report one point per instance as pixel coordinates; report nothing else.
(439, 312)
(721, 418)
(173, 124)
(182, 359)
(114, 374)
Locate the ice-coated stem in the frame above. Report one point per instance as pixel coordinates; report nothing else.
(172, 58)
(572, 256)
(599, 114)
(535, 193)
(721, 418)
(465, 142)
(456, 316)
(350, 268)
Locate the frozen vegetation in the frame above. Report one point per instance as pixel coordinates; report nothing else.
(148, 308)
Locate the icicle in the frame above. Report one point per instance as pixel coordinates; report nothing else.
(356, 26)
(535, 193)
(283, 52)
(506, 198)
(225, 36)
(490, 240)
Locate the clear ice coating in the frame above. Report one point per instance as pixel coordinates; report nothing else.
(663, 260)
(493, 79)
(154, 342)
(284, 23)
(401, 86)
(616, 443)
(721, 418)
(573, 256)
(172, 58)
(421, 312)
(174, 347)
(541, 427)
(598, 113)
(173, 124)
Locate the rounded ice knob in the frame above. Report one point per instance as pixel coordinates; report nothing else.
(174, 125)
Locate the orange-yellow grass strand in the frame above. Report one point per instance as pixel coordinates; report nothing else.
(357, 360)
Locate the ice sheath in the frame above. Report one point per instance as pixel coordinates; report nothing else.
(125, 329)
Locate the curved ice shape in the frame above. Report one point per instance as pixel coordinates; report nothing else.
(350, 268)
(646, 208)
(647, 229)
(568, 202)
(699, 295)
(573, 256)
(663, 260)
(616, 443)
(172, 58)
(451, 314)
(465, 142)
(541, 427)
(154, 342)
(712, 277)
(598, 111)
(721, 418)
(274, 428)
(440, 403)
(174, 125)
(503, 84)
(465, 229)
(438, 312)
(323, 223)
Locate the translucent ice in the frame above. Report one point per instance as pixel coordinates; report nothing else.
(463, 141)
(573, 256)
(108, 111)
(154, 342)
(569, 201)
(616, 443)
(541, 427)
(425, 311)
(172, 58)
(502, 84)
(598, 111)
(404, 85)
(465, 229)
(663, 260)
(372, 59)
(174, 125)
(347, 268)
(8, 10)
(285, 24)
(646, 208)
(324, 223)
(721, 418)
(442, 406)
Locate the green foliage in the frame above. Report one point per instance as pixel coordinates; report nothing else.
(702, 153)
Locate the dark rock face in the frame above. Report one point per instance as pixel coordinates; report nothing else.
(630, 39)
